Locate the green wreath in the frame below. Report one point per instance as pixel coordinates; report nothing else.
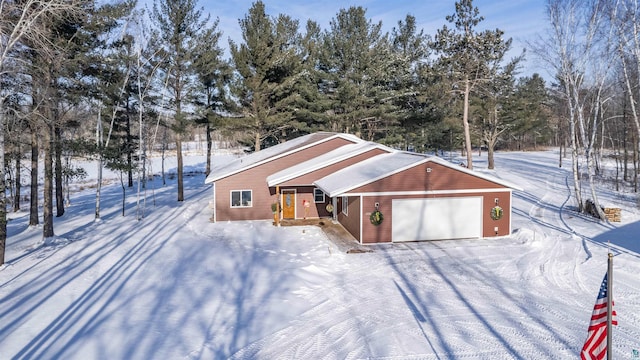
(376, 217)
(496, 213)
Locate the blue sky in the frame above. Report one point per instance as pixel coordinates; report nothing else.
(519, 19)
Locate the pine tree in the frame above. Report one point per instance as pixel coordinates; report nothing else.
(494, 95)
(214, 75)
(268, 63)
(527, 112)
(468, 57)
(414, 96)
(179, 23)
(357, 58)
(310, 103)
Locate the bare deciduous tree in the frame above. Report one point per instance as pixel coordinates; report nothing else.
(22, 21)
(574, 48)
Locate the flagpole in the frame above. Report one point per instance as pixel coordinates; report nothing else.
(609, 305)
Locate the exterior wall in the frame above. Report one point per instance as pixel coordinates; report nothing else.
(255, 179)
(350, 222)
(372, 234)
(312, 176)
(419, 178)
(504, 223)
(315, 210)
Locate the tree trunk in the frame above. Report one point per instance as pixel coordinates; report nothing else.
(465, 122)
(490, 161)
(574, 154)
(209, 146)
(58, 171)
(3, 200)
(129, 150)
(47, 219)
(560, 156)
(100, 149)
(625, 155)
(16, 199)
(67, 188)
(180, 172)
(33, 208)
(163, 155)
(124, 193)
(492, 138)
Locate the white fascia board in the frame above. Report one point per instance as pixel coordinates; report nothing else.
(465, 170)
(348, 187)
(322, 161)
(428, 192)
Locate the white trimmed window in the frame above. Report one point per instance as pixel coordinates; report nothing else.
(345, 205)
(318, 196)
(240, 198)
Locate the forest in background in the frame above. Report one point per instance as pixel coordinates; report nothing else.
(113, 81)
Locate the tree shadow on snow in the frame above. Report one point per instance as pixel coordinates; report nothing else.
(483, 318)
(625, 239)
(152, 290)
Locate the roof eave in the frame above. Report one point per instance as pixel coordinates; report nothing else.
(275, 157)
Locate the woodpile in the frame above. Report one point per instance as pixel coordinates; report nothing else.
(612, 214)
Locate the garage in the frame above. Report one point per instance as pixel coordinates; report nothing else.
(417, 197)
(436, 218)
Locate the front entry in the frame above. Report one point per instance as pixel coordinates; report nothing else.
(288, 204)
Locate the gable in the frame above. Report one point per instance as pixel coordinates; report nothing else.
(404, 171)
(310, 177)
(303, 143)
(427, 177)
(259, 172)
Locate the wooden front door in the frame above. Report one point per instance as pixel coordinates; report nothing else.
(288, 204)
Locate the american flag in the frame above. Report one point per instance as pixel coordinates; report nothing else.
(596, 345)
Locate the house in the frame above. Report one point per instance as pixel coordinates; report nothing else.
(300, 197)
(377, 193)
(240, 191)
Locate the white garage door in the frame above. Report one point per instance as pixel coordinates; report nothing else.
(436, 219)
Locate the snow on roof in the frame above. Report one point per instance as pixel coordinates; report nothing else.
(274, 152)
(384, 165)
(332, 157)
(368, 171)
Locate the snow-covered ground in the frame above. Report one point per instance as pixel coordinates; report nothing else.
(175, 286)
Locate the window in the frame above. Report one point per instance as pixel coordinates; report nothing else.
(241, 198)
(345, 205)
(318, 196)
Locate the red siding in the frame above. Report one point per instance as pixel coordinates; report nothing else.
(419, 179)
(312, 176)
(376, 233)
(305, 193)
(351, 221)
(255, 179)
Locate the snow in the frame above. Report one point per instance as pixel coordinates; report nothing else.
(332, 157)
(220, 171)
(176, 286)
(367, 171)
